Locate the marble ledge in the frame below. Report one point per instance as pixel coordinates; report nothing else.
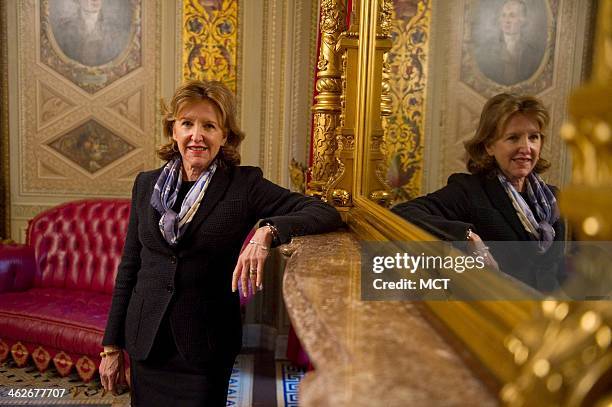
(370, 353)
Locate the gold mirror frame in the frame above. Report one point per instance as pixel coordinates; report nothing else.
(482, 326)
(512, 340)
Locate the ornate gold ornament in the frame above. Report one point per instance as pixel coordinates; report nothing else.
(327, 108)
(385, 17)
(404, 129)
(386, 102)
(210, 38)
(297, 174)
(564, 355)
(379, 187)
(340, 183)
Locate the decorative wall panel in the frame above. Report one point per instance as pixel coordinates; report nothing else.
(87, 96)
(91, 146)
(52, 105)
(406, 65)
(210, 40)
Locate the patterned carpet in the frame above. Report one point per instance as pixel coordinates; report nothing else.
(241, 382)
(288, 379)
(77, 393)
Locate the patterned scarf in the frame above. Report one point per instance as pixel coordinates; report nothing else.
(171, 224)
(538, 225)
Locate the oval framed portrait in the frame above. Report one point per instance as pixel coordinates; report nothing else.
(509, 45)
(510, 39)
(91, 42)
(91, 32)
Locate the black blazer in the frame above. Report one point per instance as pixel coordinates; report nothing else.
(480, 202)
(191, 282)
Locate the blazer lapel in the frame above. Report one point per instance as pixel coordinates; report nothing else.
(214, 193)
(501, 201)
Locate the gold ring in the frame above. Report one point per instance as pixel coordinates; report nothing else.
(253, 272)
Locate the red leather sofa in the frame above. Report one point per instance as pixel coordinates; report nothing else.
(55, 291)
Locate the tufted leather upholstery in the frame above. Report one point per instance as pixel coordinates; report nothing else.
(78, 245)
(55, 292)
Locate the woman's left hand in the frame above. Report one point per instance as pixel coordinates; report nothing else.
(478, 247)
(251, 262)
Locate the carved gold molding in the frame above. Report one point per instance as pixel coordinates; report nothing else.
(327, 108)
(377, 160)
(338, 186)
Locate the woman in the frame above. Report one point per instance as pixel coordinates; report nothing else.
(504, 198)
(175, 308)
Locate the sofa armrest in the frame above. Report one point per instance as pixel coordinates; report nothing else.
(17, 267)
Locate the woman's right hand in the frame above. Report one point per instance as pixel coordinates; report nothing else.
(478, 248)
(112, 372)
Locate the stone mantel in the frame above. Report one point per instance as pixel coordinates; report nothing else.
(370, 353)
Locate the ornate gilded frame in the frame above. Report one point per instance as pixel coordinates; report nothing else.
(534, 352)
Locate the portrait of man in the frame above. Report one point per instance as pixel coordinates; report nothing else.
(91, 32)
(510, 40)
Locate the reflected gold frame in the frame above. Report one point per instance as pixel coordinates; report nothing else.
(498, 334)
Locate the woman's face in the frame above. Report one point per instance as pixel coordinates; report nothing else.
(518, 149)
(199, 134)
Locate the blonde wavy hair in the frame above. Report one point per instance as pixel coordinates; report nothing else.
(195, 91)
(495, 115)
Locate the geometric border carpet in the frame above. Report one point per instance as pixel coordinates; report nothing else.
(240, 391)
(288, 379)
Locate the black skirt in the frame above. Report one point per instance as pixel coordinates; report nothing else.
(167, 379)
